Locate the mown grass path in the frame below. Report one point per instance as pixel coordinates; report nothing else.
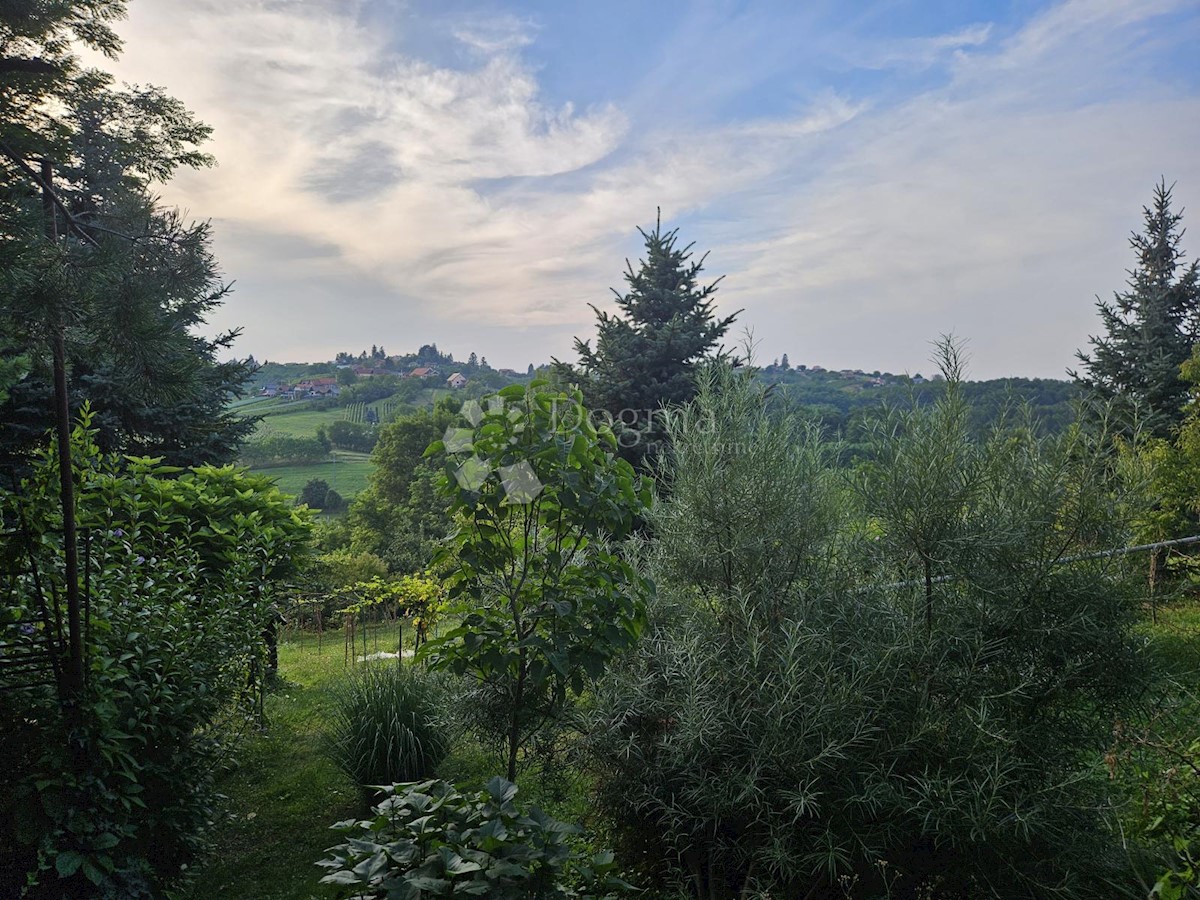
(284, 793)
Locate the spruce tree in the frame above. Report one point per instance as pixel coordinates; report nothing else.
(1149, 329)
(98, 281)
(646, 353)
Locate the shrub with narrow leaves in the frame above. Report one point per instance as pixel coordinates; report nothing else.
(892, 685)
(429, 840)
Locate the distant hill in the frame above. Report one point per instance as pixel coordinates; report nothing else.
(321, 420)
(840, 399)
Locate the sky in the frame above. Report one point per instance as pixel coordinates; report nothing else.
(866, 176)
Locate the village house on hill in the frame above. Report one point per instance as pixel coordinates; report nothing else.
(318, 387)
(423, 372)
(309, 387)
(457, 380)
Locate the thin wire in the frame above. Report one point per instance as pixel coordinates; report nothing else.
(1099, 554)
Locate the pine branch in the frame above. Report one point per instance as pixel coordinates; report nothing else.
(33, 66)
(48, 191)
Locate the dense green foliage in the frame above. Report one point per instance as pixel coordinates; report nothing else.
(112, 801)
(389, 726)
(1158, 762)
(842, 403)
(1169, 469)
(807, 715)
(315, 493)
(646, 354)
(400, 452)
(122, 282)
(429, 840)
(342, 568)
(352, 436)
(401, 517)
(273, 449)
(1149, 329)
(537, 496)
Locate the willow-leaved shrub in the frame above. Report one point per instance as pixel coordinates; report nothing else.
(809, 715)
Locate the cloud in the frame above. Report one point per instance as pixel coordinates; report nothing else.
(324, 131)
(449, 195)
(992, 206)
(496, 35)
(922, 52)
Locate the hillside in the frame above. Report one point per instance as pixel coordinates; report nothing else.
(321, 420)
(298, 437)
(839, 399)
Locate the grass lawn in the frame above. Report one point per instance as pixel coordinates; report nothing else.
(346, 474)
(284, 793)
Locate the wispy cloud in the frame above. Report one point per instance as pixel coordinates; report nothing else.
(498, 34)
(451, 196)
(323, 132)
(920, 52)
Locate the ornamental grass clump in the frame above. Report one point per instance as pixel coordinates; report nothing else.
(388, 726)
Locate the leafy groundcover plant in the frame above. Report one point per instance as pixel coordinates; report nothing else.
(429, 840)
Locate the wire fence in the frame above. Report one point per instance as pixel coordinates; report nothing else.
(1082, 557)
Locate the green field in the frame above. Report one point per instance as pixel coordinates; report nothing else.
(346, 474)
(251, 405)
(298, 418)
(302, 423)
